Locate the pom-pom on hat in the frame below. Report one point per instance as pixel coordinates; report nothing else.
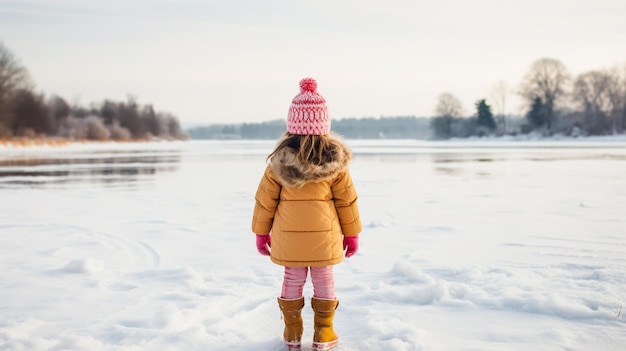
(308, 114)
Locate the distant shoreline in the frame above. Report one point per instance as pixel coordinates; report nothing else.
(26, 143)
(22, 142)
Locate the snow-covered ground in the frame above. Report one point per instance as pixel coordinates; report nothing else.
(472, 245)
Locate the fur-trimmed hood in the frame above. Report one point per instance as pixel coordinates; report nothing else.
(291, 172)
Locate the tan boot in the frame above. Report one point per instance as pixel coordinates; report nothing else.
(324, 337)
(292, 315)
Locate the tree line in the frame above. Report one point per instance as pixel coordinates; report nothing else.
(25, 113)
(404, 127)
(555, 101)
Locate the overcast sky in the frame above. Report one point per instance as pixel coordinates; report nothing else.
(236, 61)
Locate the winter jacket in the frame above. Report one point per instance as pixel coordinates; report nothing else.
(307, 208)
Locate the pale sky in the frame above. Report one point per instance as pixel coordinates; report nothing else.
(235, 61)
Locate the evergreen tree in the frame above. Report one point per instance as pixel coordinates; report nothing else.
(537, 114)
(484, 114)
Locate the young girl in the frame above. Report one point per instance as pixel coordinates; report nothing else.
(306, 203)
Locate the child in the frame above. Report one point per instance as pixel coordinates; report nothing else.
(307, 202)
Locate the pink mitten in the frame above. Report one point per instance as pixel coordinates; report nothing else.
(351, 245)
(263, 244)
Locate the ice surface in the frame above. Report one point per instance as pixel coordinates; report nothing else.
(467, 245)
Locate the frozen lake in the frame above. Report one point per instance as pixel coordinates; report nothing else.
(466, 246)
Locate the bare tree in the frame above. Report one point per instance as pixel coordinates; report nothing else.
(616, 91)
(96, 130)
(448, 105)
(130, 118)
(59, 109)
(546, 80)
(499, 94)
(74, 128)
(447, 109)
(118, 132)
(591, 93)
(84, 128)
(13, 77)
(32, 115)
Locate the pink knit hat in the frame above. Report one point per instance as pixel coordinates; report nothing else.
(308, 114)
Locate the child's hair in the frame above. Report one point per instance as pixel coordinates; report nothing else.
(309, 149)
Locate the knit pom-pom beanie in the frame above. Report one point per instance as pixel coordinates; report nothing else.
(308, 114)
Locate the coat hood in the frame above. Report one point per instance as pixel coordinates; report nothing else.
(293, 173)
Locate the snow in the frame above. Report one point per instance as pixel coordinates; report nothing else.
(467, 245)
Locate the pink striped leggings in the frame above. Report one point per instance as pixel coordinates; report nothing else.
(322, 278)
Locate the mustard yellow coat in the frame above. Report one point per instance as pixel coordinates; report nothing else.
(307, 209)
